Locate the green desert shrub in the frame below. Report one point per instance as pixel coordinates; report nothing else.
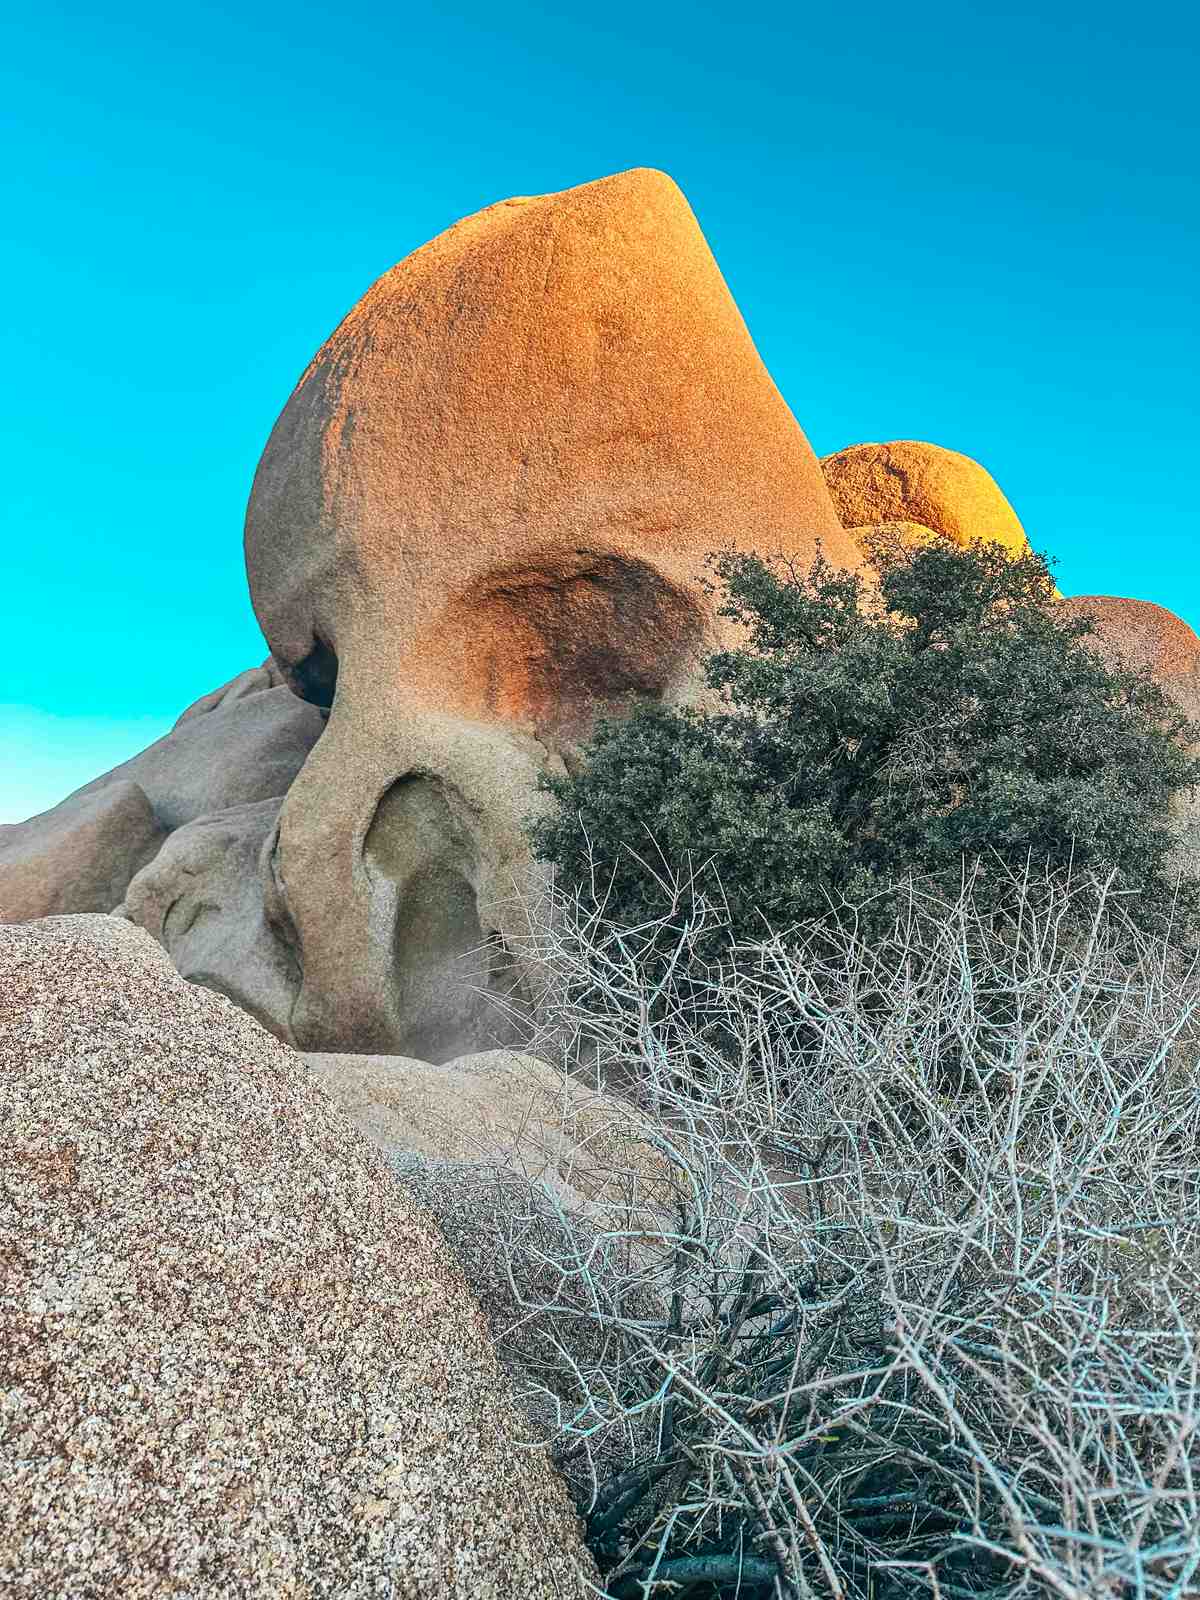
(874, 728)
(909, 1345)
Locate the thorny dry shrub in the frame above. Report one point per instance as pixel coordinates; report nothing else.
(930, 1269)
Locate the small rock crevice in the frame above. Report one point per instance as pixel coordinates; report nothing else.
(315, 677)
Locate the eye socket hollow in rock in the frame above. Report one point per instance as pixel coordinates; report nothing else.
(566, 636)
(315, 677)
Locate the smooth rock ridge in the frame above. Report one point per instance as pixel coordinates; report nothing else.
(80, 855)
(239, 745)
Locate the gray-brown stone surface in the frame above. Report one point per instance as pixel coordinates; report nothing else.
(207, 898)
(238, 1360)
(501, 1105)
(241, 744)
(80, 855)
(244, 742)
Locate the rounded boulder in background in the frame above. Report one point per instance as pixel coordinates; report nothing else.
(909, 481)
(79, 856)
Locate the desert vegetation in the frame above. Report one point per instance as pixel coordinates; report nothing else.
(907, 1341)
(888, 956)
(939, 707)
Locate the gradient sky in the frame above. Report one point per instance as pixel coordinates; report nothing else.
(972, 225)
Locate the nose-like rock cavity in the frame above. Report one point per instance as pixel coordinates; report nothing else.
(480, 521)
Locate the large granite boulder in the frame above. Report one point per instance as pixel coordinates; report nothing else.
(80, 855)
(239, 1360)
(481, 519)
(908, 481)
(241, 744)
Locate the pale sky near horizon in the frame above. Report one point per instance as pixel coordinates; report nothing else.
(978, 226)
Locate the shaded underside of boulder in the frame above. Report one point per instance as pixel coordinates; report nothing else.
(238, 1360)
(206, 898)
(413, 945)
(1148, 638)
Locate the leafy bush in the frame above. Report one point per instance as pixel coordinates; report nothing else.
(866, 734)
(915, 1346)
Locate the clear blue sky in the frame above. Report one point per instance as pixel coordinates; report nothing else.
(973, 225)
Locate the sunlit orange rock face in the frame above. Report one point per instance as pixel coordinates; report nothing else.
(496, 482)
(909, 481)
(482, 516)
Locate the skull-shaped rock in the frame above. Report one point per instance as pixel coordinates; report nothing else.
(481, 520)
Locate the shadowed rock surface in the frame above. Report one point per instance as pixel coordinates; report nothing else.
(239, 1361)
(1148, 638)
(500, 1105)
(479, 521)
(206, 898)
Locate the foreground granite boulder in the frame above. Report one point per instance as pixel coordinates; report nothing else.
(480, 520)
(238, 1361)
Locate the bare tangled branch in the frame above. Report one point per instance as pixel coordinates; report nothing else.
(924, 1298)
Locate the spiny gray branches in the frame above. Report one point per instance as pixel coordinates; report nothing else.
(915, 1310)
